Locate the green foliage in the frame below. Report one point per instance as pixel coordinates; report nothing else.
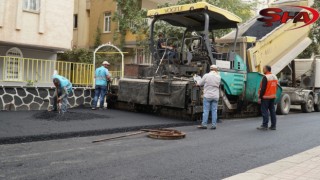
(237, 7)
(131, 17)
(314, 35)
(243, 10)
(97, 40)
(82, 55)
(76, 55)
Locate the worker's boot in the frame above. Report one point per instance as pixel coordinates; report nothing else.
(213, 127)
(202, 127)
(52, 110)
(272, 128)
(263, 128)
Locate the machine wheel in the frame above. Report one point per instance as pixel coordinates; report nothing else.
(308, 106)
(283, 107)
(317, 107)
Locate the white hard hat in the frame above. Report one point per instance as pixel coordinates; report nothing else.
(106, 62)
(213, 67)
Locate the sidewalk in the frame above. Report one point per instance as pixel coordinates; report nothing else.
(302, 166)
(27, 126)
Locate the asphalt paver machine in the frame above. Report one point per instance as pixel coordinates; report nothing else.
(168, 87)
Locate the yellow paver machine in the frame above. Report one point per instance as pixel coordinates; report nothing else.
(167, 87)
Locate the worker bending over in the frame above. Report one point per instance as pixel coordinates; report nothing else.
(267, 96)
(63, 88)
(211, 82)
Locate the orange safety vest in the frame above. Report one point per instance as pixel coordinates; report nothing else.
(272, 85)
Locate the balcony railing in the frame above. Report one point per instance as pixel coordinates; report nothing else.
(39, 71)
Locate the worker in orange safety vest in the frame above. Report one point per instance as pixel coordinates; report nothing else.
(267, 96)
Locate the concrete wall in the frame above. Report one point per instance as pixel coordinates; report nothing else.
(18, 98)
(51, 27)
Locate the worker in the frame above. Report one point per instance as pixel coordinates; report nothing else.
(267, 96)
(63, 89)
(211, 82)
(163, 48)
(102, 77)
(196, 42)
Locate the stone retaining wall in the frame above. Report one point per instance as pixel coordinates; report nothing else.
(31, 98)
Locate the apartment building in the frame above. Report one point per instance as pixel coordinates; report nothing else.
(32, 29)
(81, 19)
(91, 15)
(38, 28)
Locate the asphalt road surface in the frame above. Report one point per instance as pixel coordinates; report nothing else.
(236, 146)
(25, 126)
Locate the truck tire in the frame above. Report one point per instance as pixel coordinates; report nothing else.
(283, 107)
(317, 107)
(308, 106)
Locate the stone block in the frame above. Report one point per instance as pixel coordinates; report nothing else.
(34, 106)
(28, 99)
(11, 90)
(43, 93)
(17, 101)
(33, 91)
(22, 108)
(7, 98)
(21, 92)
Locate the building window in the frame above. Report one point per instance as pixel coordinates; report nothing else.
(13, 65)
(107, 22)
(31, 5)
(75, 21)
(142, 57)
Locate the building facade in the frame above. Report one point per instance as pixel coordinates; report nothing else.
(100, 21)
(42, 26)
(81, 21)
(30, 30)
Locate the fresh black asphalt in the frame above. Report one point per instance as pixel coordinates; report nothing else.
(236, 146)
(28, 126)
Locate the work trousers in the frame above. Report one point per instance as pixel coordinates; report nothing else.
(64, 101)
(209, 105)
(268, 107)
(100, 92)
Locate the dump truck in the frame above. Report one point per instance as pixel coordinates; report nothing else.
(168, 86)
(278, 46)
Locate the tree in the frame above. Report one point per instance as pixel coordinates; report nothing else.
(314, 35)
(97, 40)
(132, 18)
(80, 55)
(76, 55)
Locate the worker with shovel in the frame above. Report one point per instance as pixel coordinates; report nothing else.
(60, 97)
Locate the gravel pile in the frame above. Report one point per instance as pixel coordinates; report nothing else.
(69, 116)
